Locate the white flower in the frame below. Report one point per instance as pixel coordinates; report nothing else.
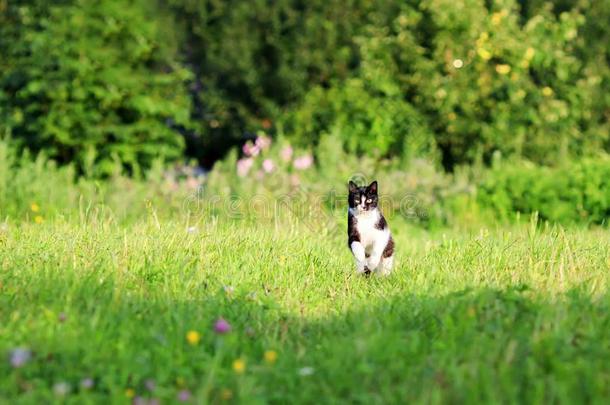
(306, 371)
(61, 388)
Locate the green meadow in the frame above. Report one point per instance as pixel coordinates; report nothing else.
(111, 313)
(174, 189)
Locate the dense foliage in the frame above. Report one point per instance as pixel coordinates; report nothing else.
(571, 193)
(452, 81)
(91, 82)
(298, 186)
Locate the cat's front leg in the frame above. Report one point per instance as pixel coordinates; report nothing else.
(359, 256)
(373, 260)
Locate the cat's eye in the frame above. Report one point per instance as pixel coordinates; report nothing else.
(369, 200)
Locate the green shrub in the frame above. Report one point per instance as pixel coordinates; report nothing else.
(453, 81)
(35, 186)
(470, 80)
(86, 80)
(572, 193)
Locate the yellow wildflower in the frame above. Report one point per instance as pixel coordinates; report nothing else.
(270, 356)
(38, 219)
(193, 337)
(34, 207)
(571, 34)
(529, 53)
(503, 69)
(496, 18)
(547, 91)
(226, 394)
(484, 54)
(129, 393)
(239, 366)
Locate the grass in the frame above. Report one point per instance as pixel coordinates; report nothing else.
(519, 314)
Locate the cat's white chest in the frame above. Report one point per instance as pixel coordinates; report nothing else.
(370, 235)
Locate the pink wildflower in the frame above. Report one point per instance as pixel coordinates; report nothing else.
(286, 153)
(268, 165)
(221, 326)
(263, 142)
(303, 162)
(244, 166)
(250, 149)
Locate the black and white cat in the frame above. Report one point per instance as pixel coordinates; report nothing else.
(369, 236)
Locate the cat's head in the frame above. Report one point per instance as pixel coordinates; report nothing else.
(363, 198)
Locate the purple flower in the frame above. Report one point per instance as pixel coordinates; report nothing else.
(268, 165)
(286, 153)
(244, 166)
(150, 384)
(263, 142)
(145, 401)
(139, 401)
(303, 162)
(19, 357)
(62, 317)
(221, 326)
(184, 395)
(250, 149)
(87, 383)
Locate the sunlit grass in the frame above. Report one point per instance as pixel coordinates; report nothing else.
(257, 312)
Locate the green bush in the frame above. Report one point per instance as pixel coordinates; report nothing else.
(36, 188)
(453, 81)
(469, 80)
(571, 193)
(86, 80)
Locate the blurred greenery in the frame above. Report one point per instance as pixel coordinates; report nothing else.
(92, 82)
(167, 164)
(451, 81)
(478, 109)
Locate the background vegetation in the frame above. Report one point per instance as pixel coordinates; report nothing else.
(451, 81)
(112, 86)
(173, 193)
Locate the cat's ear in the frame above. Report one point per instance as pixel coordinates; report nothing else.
(373, 187)
(352, 187)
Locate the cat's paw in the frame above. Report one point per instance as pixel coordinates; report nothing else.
(373, 262)
(361, 267)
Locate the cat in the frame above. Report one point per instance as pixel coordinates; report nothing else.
(368, 233)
